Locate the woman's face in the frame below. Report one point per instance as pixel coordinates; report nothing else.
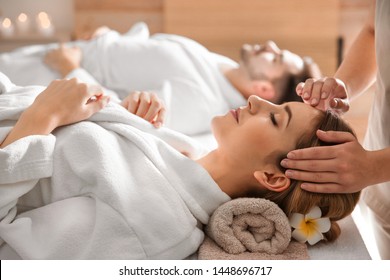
(268, 62)
(261, 129)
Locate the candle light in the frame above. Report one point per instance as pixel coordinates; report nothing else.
(23, 23)
(44, 25)
(7, 28)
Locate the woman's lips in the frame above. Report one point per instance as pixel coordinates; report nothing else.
(236, 114)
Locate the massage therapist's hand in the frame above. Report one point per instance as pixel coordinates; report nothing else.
(62, 102)
(146, 105)
(64, 59)
(325, 93)
(342, 168)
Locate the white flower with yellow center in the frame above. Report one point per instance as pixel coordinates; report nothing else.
(309, 227)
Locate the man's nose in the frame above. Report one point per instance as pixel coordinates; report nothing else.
(272, 47)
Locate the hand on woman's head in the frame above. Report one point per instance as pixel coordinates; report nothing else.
(334, 206)
(342, 168)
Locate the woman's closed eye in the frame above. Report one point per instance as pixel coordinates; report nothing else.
(273, 119)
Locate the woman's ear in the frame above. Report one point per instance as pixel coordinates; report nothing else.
(263, 89)
(275, 182)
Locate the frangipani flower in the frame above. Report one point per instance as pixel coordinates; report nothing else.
(309, 227)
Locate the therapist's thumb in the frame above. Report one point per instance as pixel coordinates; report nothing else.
(339, 105)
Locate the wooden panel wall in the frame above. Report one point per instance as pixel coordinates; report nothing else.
(117, 14)
(305, 27)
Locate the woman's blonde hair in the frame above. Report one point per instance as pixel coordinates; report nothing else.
(296, 200)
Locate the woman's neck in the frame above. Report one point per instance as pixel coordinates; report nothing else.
(229, 176)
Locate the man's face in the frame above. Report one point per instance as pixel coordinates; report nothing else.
(269, 62)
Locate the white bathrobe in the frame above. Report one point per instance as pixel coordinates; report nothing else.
(183, 73)
(111, 187)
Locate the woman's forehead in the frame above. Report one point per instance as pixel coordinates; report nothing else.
(302, 113)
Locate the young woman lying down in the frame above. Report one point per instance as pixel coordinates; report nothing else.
(81, 178)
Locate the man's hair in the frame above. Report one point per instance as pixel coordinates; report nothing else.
(310, 70)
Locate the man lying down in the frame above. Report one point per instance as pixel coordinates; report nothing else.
(82, 178)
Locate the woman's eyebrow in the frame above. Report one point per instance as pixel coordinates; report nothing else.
(289, 113)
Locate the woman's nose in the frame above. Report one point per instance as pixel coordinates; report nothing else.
(255, 103)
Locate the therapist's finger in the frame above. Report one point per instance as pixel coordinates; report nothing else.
(299, 88)
(328, 88)
(316, 93)
(335, 136)
(307, 89)
(310, 165)
(323, 152)
(315, 177)
(339, 105)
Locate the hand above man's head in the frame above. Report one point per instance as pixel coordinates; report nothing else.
(325, 94)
